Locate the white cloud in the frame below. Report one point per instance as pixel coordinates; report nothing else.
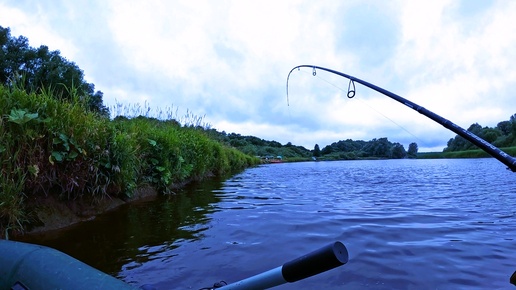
(185, 39)
(446, 62)
(229, 60)
(36, 28)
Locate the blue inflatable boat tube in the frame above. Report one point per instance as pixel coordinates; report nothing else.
(29, 266)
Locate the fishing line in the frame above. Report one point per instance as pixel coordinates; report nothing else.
(470, 136)
(351, 92)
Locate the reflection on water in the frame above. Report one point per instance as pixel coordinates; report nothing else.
(137, 233)
(407, 224)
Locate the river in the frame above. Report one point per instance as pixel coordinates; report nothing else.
(407, 224)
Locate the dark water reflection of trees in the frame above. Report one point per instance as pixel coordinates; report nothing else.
(138, 231)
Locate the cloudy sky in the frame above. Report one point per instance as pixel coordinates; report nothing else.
(228, 61)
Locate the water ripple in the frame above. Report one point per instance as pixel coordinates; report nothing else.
(407, 224)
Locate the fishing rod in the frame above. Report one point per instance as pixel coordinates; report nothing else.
(481, 143)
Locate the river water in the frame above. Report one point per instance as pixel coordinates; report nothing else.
(407, 224)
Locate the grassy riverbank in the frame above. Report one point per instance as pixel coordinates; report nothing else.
(58, 149)
(476, 153)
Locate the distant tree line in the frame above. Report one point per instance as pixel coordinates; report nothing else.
(376, 148)
(503, 135)
(38, 69)
(255, 146)
(348, 149)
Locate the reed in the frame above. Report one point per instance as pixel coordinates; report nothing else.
(166, 113)
(50, 146)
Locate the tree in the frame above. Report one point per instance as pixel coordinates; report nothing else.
(275, 144)
(379, 148)
(398, 151)
(505, 127)
(512, 119)
(326, 150)
(475, 128)
(317, 151)
(491, 134)
(459, 143)
(412, 150)
(39, 69)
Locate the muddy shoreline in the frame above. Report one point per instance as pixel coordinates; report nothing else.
(48, 213)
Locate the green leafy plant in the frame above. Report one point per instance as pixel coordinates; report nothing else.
(21, 117)
(53, 146)
(65, 148)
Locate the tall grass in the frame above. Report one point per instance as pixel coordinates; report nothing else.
(49, 146)
(473, 153)
(189, 119)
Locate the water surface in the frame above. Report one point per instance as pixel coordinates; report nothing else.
(407, 224)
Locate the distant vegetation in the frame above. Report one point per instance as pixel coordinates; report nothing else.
(348, 149)
(380, 148)
(503, 135)
(471, 153)
(255, 146)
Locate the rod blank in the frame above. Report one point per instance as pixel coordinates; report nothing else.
(481, 143)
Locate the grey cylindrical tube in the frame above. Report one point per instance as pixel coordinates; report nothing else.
(324, 259)
(321, 260)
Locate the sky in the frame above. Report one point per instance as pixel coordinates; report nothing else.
(226, 62)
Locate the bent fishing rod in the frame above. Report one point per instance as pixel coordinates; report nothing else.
(481, 143)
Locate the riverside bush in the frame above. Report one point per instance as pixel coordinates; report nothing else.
(54, 147)
(472, 153)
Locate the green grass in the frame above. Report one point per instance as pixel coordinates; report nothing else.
(49, 146)
(476, 153)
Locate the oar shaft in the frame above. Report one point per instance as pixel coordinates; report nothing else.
(265, 280)
(316, 262)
